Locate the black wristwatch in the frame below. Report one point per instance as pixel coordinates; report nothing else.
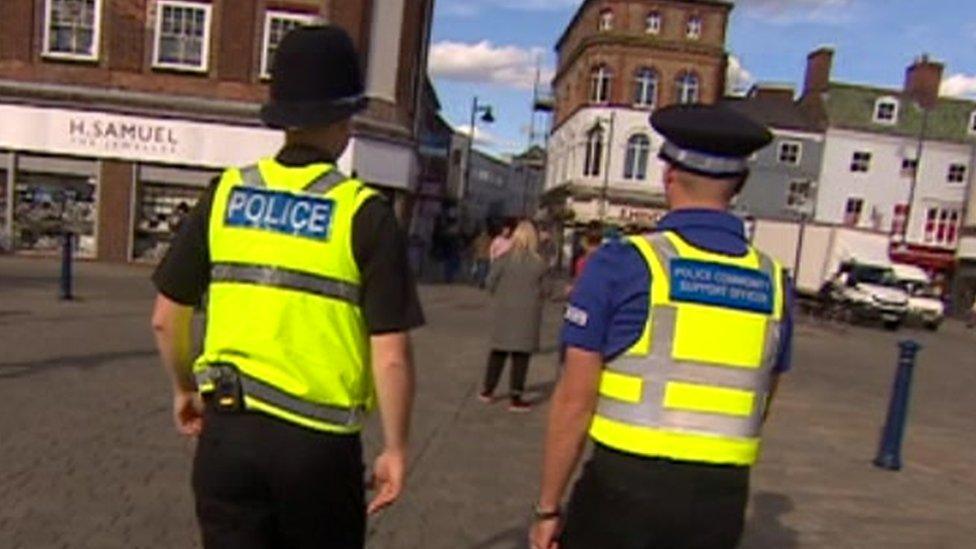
(541, 514)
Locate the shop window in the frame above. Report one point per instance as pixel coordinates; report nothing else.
(600, 84)
(635, 163)
(72, 29)
(694, 28)
(46, 205)
(861, 162)
(790, 152)
(182, 35)
(594, 153)
(687, 88)
(645, 88)
(163, 207)
(853, 211)
(277, 25)
(653, 23)
(957, 173)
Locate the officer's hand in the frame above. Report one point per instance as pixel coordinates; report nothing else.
(188, 413)
(388, 473)
(545, 534)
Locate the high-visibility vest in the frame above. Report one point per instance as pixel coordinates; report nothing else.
(284, 296)
(695, 385)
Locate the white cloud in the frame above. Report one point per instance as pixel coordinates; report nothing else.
(481, 135)
(796, 11)
(738, 80)
(959, 85)
(486, 63)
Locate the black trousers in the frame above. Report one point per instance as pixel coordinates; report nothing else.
(517, 376)
(627, 502)
(264, 483)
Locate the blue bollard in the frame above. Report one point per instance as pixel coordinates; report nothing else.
(889, 450)
(66, 273)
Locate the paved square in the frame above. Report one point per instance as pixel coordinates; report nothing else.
(88, 457)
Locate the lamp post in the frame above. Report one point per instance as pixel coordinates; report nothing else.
(918, 166)
(605, 189)
(487, 117)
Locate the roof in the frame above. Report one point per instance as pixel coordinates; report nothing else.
(775, 112)
(851, 107)
(585, 3)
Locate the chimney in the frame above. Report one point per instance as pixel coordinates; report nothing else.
(922, 80)
(819, 65)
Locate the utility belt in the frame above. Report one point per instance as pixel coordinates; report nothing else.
(227, 390)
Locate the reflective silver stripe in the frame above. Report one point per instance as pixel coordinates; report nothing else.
(346, 417)
(326, 182)
(255, 388)
(285, 279)
(251, 177)
(715, 165)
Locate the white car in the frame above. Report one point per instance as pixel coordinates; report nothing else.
(925, 306)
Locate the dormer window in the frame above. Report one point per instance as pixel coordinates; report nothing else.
(694, 27)
(606, 20)
(653, 23)
(972, 123)
(886, 111)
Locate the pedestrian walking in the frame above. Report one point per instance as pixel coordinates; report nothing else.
(517, 285)
(675, 343)
(310, 300)
(481, 257)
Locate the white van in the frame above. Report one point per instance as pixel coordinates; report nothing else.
(925, 306)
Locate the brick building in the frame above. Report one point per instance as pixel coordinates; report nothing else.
(117, 113)
(618, 61)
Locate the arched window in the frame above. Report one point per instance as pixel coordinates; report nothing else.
(638, 150)
(653, 23)
(687, 88)
(645, 88)
(600, 84)
(694, 27)
(594, 153)
(606, 20)
(886, 111)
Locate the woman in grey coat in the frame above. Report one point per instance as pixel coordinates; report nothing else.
(516, 282)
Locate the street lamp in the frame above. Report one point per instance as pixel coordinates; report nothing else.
(918, 166)
(488, 117)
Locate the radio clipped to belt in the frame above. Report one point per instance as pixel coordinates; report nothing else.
(228, 396)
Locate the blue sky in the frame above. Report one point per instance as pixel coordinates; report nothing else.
(488, 47)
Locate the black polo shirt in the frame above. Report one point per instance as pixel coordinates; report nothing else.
(389, 291)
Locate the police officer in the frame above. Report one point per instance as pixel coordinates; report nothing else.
(675, 343)
(309, 300)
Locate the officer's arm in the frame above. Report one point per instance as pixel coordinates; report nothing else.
(573, 404)
(171, 323)
(394, 374)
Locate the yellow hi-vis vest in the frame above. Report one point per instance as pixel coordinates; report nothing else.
(694, 387)
(284, 297)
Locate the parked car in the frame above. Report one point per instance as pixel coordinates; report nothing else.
(870, 293)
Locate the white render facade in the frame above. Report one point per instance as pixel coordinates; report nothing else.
(884, 189)
(576, 161)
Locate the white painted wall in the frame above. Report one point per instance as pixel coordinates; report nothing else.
(384, 49)
(567, 150)
(884, 186)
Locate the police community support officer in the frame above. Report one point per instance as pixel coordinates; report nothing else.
(310, 299)
(675, 342)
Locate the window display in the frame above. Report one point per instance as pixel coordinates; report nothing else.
(48, 205)
(161, 211)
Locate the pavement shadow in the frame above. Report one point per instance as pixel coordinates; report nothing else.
(540, 392)
(13, 370)
(515, 537)
(765, 528)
